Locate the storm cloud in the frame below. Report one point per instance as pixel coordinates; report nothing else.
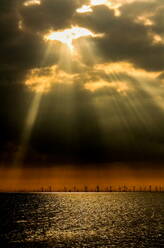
(101, 106)
(124, 39)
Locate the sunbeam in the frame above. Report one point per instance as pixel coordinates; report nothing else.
(98, 65)
(67, 36)
(29, 123)
(82, 117)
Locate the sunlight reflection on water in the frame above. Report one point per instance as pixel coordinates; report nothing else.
(82, 220)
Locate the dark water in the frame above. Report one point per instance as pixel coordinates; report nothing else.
(82, 220)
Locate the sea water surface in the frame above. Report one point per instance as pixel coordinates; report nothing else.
(82, 220)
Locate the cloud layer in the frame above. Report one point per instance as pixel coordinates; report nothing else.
(103, 103)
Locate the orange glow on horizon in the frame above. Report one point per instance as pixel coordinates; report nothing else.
(29, 179)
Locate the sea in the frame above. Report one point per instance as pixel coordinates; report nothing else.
(82, 220)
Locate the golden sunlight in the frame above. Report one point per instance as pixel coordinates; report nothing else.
(98, 2)
(40, 83)
(88, 8)
(31, 2)
(84, 9)
(68, 35)
(93, 86)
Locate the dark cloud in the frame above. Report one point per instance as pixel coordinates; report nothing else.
(20, 50)
(49, 14)
(158, 20)
(78, 126)
(99, 20)
(100, 126)
(75, 125)
(161, 76)
(124, 39)
(141, 8)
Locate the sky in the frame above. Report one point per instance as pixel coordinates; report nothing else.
(82, 87)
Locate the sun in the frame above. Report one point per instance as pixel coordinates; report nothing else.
(98, 2)
(31, 2)
(68, 35)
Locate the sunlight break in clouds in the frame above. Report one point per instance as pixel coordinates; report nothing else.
(98, 2)
(88, 8)
(84, 9)
(68, 35)
(31, 2)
